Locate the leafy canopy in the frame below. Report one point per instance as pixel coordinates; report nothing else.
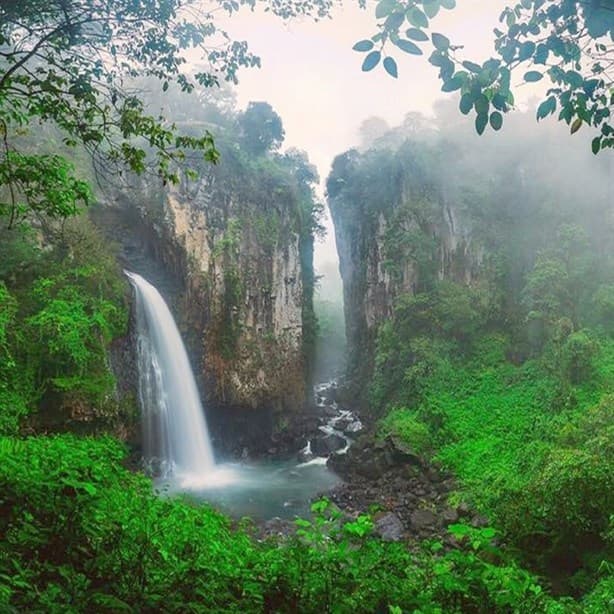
(568, 42)
(73, 63)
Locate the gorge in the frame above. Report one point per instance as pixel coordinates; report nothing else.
(460, 462)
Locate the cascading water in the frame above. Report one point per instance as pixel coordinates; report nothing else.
(175, 436)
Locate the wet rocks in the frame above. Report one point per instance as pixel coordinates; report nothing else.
(332, 424)
(389, 527)
(373, 459)
(327, 444)
(449, 516)
(276, 528)
(410, 492)
(423, 520)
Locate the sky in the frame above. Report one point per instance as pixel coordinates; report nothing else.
(312, 77)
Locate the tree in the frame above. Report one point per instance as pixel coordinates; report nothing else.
(262, 129)
(567, 41)
(372, 129)
(71, 63)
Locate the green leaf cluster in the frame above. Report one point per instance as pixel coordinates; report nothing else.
(567, 42)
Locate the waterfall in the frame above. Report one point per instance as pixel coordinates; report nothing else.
(175, 437)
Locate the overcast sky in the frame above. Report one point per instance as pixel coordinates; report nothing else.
(312, 78)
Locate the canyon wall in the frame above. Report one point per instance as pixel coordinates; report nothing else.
(397, 230)
(232, 253)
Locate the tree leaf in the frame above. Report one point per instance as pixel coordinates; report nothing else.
(547, 107)
(576, 125)
(541, 54)
(431, 8)
(384, 8)
(453, 84)
(417, 18)
(496, 120)
(532, 76)
(408, 46)
(472, 66)
(395, 21)
(596, 144)
(371, 61)
(482, 104)
(526, 50)
(481, 121)
(364, 45)
(390, 67)
(498, 101)
(574, 78)
(448, 4)
(466, 103)
(417, 35)
(441, 42)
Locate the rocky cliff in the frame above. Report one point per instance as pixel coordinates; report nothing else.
(397, 230)
(232, 253)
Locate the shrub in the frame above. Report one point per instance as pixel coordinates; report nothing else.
(404, 426)
(578, 356)
(565, 507)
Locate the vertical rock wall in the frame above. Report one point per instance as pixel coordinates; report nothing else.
(233, 256)
(396, 231)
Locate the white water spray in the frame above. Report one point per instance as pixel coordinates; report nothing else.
(175, 435)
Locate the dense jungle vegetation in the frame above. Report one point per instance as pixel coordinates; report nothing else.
(499, 361)
(506, 381)
(504, 378)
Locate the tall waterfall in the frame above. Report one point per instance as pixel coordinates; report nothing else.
(175, 435)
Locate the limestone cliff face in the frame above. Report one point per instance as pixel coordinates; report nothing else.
(232, 253)
(396, 230)
(244, 292)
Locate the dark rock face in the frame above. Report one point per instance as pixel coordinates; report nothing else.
(389, 527)
(423, 519)
(236, 271)
(327, 444)
(373, 459)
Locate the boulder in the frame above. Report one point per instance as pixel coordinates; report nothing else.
(463, 509)
(479, 521)
(449, 516)
(304, 456)
(423, 519)
(389, 527)
(353, 427)
(327, 444)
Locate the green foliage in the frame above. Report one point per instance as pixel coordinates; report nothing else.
(538, 463)
(413, 349)
(603, 301)
(70, 333)
(565, 506)
(85, 534)
(230, 325)
(13, 406)
(403, 426)
(40, 184)
(578, 356)
(534, 33)
(80, 533)
(262, 129)
(59, 315)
